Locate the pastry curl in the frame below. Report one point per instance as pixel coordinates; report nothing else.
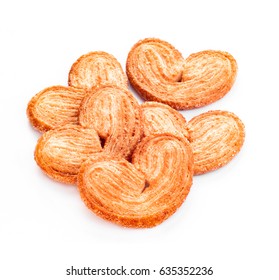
(158, 72)
(142, 194)
(97, 68)
(54, 106)
(160, 118)
(216, 137)
(60, 152)
(114, 113)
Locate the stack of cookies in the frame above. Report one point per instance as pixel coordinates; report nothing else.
(134, 163)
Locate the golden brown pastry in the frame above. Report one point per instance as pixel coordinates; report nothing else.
(142, 194)
(158, 72)
(61, 151)
(115, 115)
(216, 137)
(95, 69)
(160, 118)
(54, 106)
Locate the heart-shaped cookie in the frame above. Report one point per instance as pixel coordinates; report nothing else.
(144, 193)
(158, 72)
(60, 152)
(114, 113)
(97, 68)
(216, 137)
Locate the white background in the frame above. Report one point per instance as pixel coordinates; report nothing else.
(230, 218)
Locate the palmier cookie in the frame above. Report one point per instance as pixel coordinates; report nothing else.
(158, 72)
(115, 115)
(216, 137)
(142, 194)
(160, 118)
(95, 69)
(60, 152)
(54, 106)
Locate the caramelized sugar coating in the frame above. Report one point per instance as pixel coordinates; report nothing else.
(216, 137)
(158, 72)
(145, 192)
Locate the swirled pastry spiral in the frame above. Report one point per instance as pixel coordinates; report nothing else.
(216, 137)
(160, 118)
(115, 115)
(60, 152)
(142, 194)
(54, 106)
(95, 69)
(158, 72)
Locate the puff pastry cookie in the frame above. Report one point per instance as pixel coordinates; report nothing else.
(134, 164)
(160, 118)
(60, 152)
(97, 68)
(54, 106)
(158, 72)
(216, 137)
(115, 115)
(142, 194)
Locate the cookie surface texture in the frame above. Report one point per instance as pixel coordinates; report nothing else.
(95, 69)
(160, 118)
(216, 137)
(54, 106)
(145, 192)
(114, 113)
(158, 72)
(60, 152)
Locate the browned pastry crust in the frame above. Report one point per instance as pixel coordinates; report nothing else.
(61, 151)
(54, 106)
(216, 137)
(158, 72)
(114, 113)
(160, 118)
(142, 194)
(95, 69)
